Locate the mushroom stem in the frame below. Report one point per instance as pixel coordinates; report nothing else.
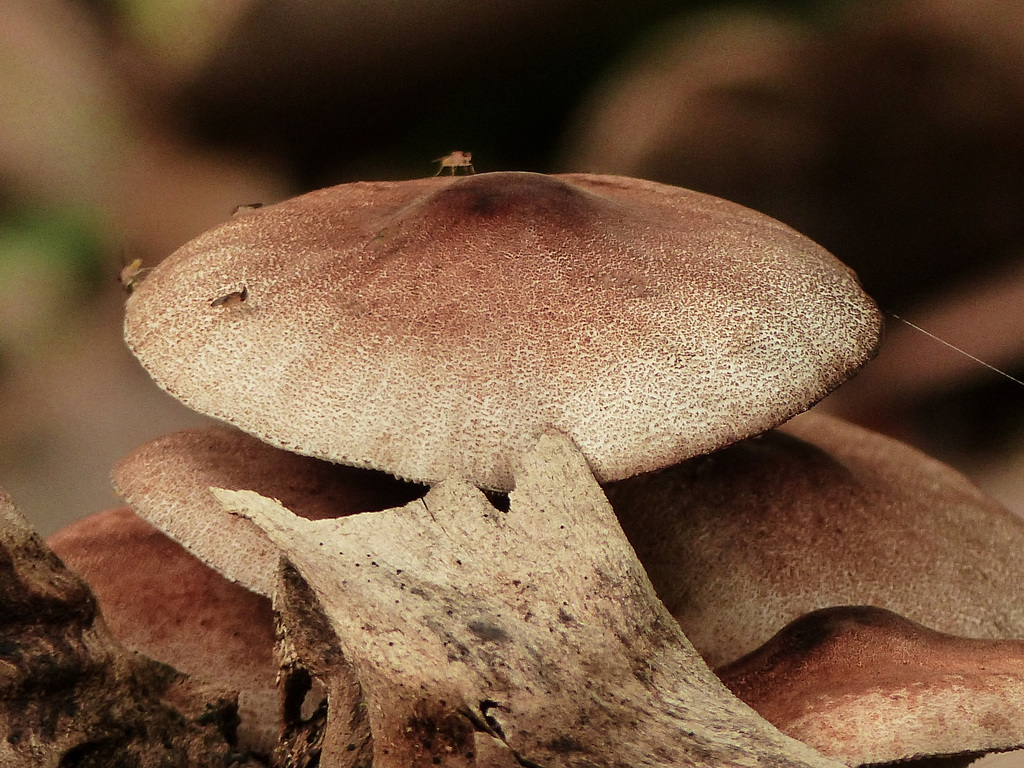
(480, 637)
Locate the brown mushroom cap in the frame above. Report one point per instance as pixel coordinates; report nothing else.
(437, 327)
(161, 601)
(865, 685)
(167, 482)
(819, 513)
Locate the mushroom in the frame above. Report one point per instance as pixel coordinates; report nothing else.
(865, 685)
(514, 332)
(161, 601)
(819, 513)
(167, 482)
(898, 527)
(462, 635)
(437, 327)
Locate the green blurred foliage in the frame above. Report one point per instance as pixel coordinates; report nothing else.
(51, 259)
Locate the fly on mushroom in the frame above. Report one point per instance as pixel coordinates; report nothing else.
(456, 159)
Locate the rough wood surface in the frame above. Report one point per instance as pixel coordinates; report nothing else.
(530, 637)
(71, 696)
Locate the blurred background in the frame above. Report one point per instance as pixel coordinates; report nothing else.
(891, 132)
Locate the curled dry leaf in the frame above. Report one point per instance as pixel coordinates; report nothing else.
(865, 685)
(532, 635)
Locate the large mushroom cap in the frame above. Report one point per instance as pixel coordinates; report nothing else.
(439, 326)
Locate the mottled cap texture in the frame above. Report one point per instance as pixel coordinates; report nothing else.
(819, 513)
(864, 685)
(437, 327)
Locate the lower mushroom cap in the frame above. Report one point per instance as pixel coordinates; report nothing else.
(820, 513)
(159, 600)
(865, 685)
(167, 482)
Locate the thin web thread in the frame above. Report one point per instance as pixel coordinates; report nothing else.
(957, 349)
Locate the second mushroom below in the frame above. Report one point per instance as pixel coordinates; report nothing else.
(732, 541)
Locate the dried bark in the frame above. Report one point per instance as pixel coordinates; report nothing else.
(71, 696)
(461, 635)
(159, 600)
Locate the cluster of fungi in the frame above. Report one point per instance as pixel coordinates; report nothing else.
(505, 485)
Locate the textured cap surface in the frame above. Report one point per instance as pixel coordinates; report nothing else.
(819, 513)
(865, 685)
(437, 327)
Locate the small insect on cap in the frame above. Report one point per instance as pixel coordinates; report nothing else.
(438, 326)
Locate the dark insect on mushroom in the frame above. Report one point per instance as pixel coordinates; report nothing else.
(231, 299)
(456, 159)
(246, 208)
